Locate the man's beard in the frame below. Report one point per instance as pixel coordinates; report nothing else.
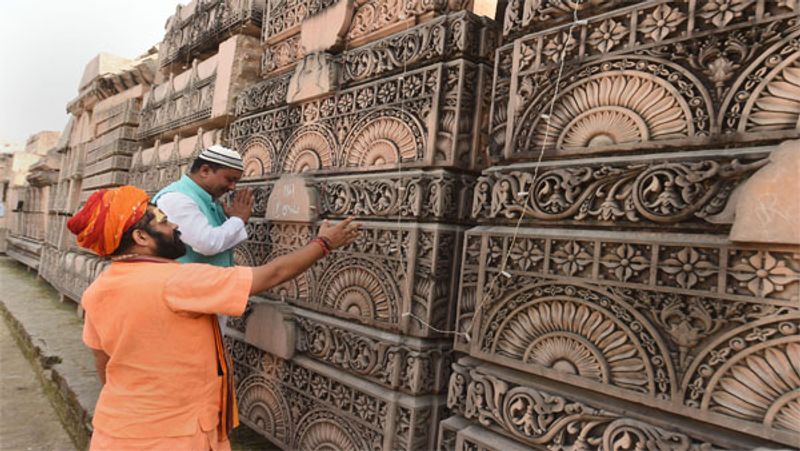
(167, 247)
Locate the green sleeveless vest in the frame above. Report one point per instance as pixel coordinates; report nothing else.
(211, 209)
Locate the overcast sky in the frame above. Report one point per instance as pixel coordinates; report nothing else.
(45, 45)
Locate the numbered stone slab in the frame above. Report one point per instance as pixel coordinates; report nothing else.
(292, 200)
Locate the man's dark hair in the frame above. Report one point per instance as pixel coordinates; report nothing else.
(199, 162)
(127, 238)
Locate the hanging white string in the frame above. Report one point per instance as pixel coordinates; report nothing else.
(401, 188)
(429, 326)
(527, 193)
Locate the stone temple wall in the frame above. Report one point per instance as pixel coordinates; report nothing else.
(580, 219)
(619, 290)
(380, 106)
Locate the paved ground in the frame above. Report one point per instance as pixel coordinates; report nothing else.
(27, 419)
(49, 333)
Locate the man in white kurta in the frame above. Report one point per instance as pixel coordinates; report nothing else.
(210, 229)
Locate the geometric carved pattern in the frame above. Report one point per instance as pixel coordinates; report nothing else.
(699, 268)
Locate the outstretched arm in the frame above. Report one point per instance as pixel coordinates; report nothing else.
(291, 265)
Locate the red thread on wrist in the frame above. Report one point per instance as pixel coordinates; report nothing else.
(326, 241)
(325, 249)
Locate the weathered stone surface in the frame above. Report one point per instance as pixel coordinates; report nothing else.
(292, 200)
(315, 76)
(767, 206)
(325, 30)
(269, 329)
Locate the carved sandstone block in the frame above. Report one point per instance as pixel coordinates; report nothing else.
(687, 190)
(203, 95)
(397, 277)
(536, 299)
(198, 27)
(406, 364)
(398, 120)
(301, 404)
(648, 76)
(545, 414)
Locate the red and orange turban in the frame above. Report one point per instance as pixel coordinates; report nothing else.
(108, 213)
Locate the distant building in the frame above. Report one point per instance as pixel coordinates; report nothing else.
(32, 171)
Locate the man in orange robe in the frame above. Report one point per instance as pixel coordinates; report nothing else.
(151, 324)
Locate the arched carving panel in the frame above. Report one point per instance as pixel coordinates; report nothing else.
(324, 430)
(359, 288)
(242, 256)
(612, 104)
(258, 155)
(775, 104)
(751, 373)
(765, 96)
(264, 408)
(308, 149)
(579, 330)
(296, 288)
(383, 137)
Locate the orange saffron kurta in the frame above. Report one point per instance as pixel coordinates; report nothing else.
(154, 321)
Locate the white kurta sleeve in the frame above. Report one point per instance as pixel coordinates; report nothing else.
(195, 229)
